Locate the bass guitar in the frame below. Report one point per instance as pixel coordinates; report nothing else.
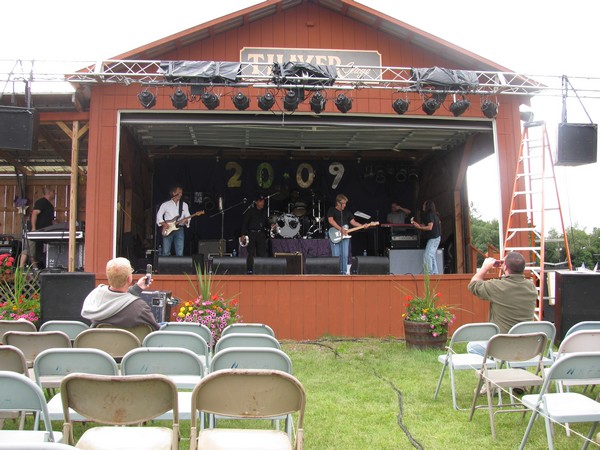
(336, 236)
(171, 225)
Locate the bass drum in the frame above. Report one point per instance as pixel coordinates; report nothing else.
(288, 226)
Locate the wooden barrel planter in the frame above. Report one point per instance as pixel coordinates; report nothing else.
(418, 336)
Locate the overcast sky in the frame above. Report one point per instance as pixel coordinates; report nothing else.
(535, 37)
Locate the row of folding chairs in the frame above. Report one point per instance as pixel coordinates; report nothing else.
(123, 403)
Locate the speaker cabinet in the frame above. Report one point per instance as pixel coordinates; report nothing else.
(269, 266)
(410, 261)
(57, 255)
(322, 265)
(62, 294)
(294, 262)
(19, 128)
(179, 264)
(370, 265)
(577, 144)
(210, 246)
(226, 265)
(160, 304)
(576, 299)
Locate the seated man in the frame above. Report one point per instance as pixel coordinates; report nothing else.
(512, 297)
(119, 303)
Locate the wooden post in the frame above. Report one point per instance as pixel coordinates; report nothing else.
(73, 195)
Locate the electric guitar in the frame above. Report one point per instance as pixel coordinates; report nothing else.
(335, 235)
(169, 226)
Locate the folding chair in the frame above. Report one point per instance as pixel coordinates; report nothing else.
(259, 394)
(181, 339)
(19, 393)
(70, 327)
(536, 326)
(140, 331)
(13, 360)
(114, 341)
(465, 361)
(513, 348)
(202, 330)
(255, 328)
(246, 340)
(16, 325)
(565, 407)
(123, 402)
(251, 358)
(33, 343)
(36, 446)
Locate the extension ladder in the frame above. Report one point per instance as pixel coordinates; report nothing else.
(534, 200)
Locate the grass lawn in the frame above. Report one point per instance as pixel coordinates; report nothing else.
(369, 394)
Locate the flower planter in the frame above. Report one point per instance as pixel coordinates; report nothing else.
(418, 336)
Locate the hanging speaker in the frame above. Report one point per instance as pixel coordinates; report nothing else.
(19, 128)
(577, 144)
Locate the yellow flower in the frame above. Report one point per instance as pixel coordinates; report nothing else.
(190, 308)
(182, 309)
(181, 314)
(187, 303)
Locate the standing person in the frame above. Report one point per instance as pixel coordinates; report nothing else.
(340, 219)
(397, 214)
(432, 235)
(512, 297)
(119, 303)
(254, 226)
(42, 216)
(169, 212)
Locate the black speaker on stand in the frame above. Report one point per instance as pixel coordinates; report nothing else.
(322, 265)
(19, 128)
(62, 294)
(370, 265)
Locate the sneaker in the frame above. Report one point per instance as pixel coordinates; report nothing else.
(518, 391)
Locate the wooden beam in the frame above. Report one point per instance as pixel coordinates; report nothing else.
(56, 146)
(51, 117)
(8, 157)
(73, 195)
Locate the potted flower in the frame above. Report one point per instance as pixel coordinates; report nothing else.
(208, 307)
(20, 296)
(425, 321)
(7, 266)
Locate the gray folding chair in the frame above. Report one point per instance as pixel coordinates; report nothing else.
(246, 340)
(536, 326)
(465, 361)
(181, 339)
(16, 325)
(259, 394)
(114, 341)
(255, 328)
(33, 343)
(70, 327)
(202, 330)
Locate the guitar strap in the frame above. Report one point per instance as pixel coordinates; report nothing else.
(180, 209)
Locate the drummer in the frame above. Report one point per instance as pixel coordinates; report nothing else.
(296, 206)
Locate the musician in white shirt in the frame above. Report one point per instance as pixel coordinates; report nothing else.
(169, 212)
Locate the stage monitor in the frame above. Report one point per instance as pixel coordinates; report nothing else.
(18, 128)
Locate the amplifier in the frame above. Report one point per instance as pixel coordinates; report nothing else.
(404, 240)
(57, 255)
(295, 262)
(160, 303)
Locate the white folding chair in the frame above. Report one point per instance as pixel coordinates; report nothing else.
(465, 361)
(16, 325)
(70, 327)
(246, 340)
(565, 407)
(255, 328)
(33, 343)
(259, 394)
(123, 403)
(202, 330)
(20, 393)
(114, 341)
(181, 339)
(536, 326)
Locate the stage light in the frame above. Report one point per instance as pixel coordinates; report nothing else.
(179, 99)
(210, 100)
(401, 176)
(317, 103)
(489, 109)
(241, 102)
(343, 103)
(291, 101)
(459, 107)
(431, 105)
(147, 99)
(266, 102)
(413, 176)
(400, 105)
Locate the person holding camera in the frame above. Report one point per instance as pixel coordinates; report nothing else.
(512, 297)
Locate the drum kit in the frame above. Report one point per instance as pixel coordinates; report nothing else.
(300, 222)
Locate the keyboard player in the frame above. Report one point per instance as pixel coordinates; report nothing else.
(42, 216)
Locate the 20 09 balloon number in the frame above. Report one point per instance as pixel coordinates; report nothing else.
(265, 175)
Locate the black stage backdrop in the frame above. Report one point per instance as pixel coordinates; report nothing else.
(370, 189)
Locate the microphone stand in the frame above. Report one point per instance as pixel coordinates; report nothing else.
(222, 213)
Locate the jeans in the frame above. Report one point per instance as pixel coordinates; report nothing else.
(429, 257)
(176, 237)
(341, 249)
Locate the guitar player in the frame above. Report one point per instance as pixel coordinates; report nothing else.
(340, 219)
(170, 211)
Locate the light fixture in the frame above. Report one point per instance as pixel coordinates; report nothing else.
(210, 100)
(401, 176)
(525, 113)
(432, 104)
(343, 103)
(458, 107)
(291, 100)
(400, 105)
(179, 99)
(317, 103)
(147, 99)
(489, 109)
(241, 102)
(266, 102)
